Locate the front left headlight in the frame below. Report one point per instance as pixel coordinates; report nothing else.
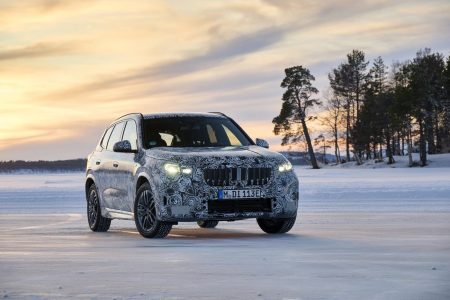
(287, 166)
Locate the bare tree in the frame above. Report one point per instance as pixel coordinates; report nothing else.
(322, 142)
(333, 121)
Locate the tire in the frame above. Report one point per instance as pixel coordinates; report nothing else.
(207, 224)
(96, 221)
(276, 225)
(145, 218)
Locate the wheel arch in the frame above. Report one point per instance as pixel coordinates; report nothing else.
(90, 180)
(142, 178)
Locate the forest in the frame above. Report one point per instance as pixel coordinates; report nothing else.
(370, 110)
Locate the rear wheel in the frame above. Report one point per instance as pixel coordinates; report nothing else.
(145, 215)
(95, 219)
(207, 224)
(276, 225)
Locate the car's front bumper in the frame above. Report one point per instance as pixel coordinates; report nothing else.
(185, 199)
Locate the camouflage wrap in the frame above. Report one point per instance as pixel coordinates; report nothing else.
(185, 196)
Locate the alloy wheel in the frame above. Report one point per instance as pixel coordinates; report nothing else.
(92, 207)
(146, 211)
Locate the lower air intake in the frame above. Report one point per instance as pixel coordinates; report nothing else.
(240, 205)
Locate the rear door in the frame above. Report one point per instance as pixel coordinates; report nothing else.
(98, 160)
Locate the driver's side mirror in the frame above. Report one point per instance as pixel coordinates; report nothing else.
(262, 143)
(123, 146)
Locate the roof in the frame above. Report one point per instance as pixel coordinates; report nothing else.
(183, 114)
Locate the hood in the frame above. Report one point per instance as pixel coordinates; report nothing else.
(243, 155)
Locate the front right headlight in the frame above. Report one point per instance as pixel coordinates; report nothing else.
(172, 169)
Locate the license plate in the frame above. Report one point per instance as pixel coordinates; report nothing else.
(239, 194)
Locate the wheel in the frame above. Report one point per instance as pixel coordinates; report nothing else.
(95, 219)
(207, 224)
(145, 218)
(276, 225)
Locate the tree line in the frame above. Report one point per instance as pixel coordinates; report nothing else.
(43, 166)
(371, 110)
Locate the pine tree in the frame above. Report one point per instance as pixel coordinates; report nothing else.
(426, 84)
(358, 64)
(297, 100)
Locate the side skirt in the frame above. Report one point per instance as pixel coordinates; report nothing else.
(119, 214)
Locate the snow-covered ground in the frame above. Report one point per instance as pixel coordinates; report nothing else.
(433, 161)
(361, 234)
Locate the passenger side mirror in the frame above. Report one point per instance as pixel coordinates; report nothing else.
(262, 143)
(123, 146)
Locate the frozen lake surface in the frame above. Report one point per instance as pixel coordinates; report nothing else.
(361, 234)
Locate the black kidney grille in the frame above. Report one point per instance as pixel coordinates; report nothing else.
(231, 176)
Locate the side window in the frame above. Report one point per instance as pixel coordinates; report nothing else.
(106, 137)
(211, 134)
(234, 141)
(116, 135)
(130, 134)
(168, 138)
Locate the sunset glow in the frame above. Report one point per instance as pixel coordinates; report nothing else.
(68, 68)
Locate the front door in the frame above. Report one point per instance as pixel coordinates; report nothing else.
(110, 174)
(126, 169)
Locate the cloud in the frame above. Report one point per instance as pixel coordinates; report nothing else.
(222, 48)
(225, 50)
(222, 51)
(17, 12)
(300, 18)
(38, 50)
(52, 5)
(67, 139)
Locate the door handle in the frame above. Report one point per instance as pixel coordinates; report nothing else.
(97, 162)
(115, 165)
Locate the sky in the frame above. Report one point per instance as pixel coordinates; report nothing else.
(68, 68)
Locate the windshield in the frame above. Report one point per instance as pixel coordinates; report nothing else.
(192, 132)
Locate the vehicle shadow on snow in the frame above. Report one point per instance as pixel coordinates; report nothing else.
(209, 234)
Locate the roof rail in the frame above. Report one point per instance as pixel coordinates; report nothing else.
(218, 113)
(128, 115)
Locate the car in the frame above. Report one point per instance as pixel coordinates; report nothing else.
(164, 168)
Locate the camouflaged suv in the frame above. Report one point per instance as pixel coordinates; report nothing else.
(161, 169)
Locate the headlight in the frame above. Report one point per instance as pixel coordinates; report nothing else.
(187, 171)
(172, 169)
(287, 166)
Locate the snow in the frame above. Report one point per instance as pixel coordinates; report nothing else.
(434, 161)
(362, 233)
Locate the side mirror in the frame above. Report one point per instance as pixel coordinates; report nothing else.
(262, 143)
(123, 146)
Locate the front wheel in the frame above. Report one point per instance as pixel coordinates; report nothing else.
(95, 219)
(276, 225)
(145, 215)
(207, 224)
